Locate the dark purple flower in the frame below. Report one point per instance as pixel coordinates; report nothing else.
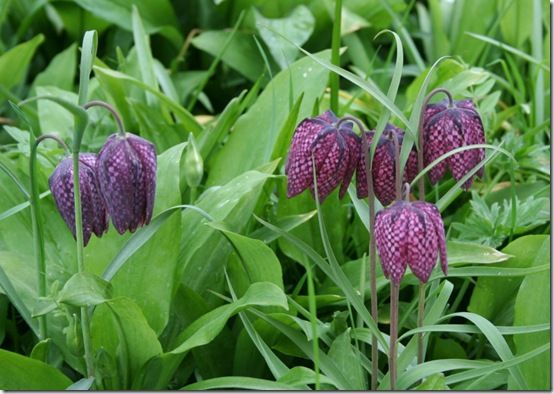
(335, 152)
(446, 128)
(384, 166)
(94, 214)
(410, 233)
(126, 171)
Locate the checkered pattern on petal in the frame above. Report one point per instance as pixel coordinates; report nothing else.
(435, 217)
(446, 129)
(93, 211)
(299, 162)
(422, 244)
(361, 180)
(335, 153)
(435, 130)
(353, 142)
(391, 232)
(126, 170)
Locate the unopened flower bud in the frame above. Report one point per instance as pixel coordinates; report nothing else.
(194, 165)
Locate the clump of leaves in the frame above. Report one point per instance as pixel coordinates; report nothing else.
(492, 225)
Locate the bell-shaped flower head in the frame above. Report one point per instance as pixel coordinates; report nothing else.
(447, 127)
(335, 150)
(410, 234)
(384, 166)
(126, 169)
(94, 214)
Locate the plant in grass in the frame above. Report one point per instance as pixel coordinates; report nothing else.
(408, 234)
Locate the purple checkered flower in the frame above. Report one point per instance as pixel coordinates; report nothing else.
(449, 127)
(94, 214)
(410, 233)
(126, 171)
(384, 166)
(335, 151)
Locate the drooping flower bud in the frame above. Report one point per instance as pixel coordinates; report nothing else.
(194, 165)
(126, 169)
(410, 233)
(335, 151)
(384, 166)
(446, 128)
(94, 214)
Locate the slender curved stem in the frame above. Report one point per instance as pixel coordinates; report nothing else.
(38, 235)
(428, 98)
(420, 316)
(421, 186)
(117, 117)
(394, 289)
(372, 249)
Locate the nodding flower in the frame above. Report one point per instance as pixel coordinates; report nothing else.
(410, 234)
(384, 166)
(328, 144)
(126, 170)
(448, 125)
(94, 214)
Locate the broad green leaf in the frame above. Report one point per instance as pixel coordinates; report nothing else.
(297, 27)
(85, 289)
(433, 383)
(532, 306)
(158, 15)
(18, 372)
(60, 72)
(255, 133)
(52, 118)
(203, 330)
(204, 252)
(348, 361)
(116, 82)
(255, 261)
(493, 295)
(238, 382)
(14, 63)
(144, 54)
(120, 329)
(241, 54)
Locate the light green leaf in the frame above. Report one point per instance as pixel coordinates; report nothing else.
(203, 330)
(532, 306)
(85, 289)
(18, 372)
(14, 63)
(297, 26)
(120, 329)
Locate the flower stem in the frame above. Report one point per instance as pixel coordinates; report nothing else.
(421, 184)
(372, 260)
(394, 289)
(38, 235)
(420, 315)
(372, 248)
(117, 117)
(85, 323)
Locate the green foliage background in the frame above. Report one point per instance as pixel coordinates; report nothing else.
(227, 301)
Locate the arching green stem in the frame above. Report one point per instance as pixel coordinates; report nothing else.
(421, 186)
(117, 117)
